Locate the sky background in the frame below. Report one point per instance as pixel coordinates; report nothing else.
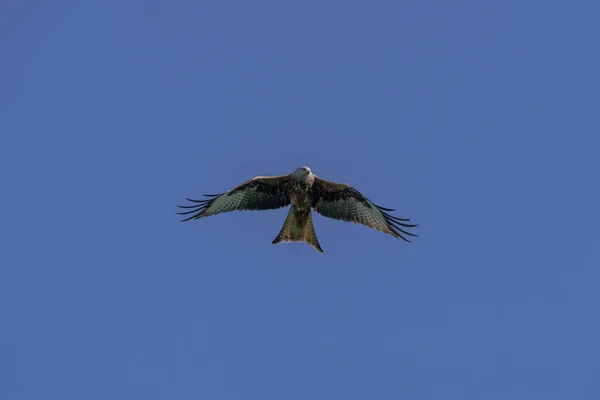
(478, 120)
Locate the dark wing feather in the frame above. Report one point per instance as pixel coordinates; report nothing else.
(259, 193)
(343, 202)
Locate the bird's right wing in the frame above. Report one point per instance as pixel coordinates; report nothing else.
(343, 202)
(259, 193)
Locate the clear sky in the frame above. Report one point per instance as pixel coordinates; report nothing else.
(478, 120)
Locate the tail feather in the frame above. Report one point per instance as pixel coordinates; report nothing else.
(298, 227)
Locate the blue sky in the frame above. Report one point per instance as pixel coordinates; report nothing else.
(478, 120)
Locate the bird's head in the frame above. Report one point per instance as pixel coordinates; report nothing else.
(302, 173)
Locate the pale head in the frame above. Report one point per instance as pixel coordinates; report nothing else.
(302, 173)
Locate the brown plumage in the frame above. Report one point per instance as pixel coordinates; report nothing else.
(303, 190)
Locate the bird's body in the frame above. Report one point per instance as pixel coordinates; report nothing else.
(299, 190)
(304, 191)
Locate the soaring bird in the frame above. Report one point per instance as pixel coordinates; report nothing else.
(303, 190)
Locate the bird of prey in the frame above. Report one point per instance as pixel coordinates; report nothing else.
(303, 190)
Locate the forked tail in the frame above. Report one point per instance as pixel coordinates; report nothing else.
(298, 227)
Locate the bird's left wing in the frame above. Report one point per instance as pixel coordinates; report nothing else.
(259, 193)
(343, 202)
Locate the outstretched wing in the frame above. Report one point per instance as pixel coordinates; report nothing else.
(259, 193)
(341, 201)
